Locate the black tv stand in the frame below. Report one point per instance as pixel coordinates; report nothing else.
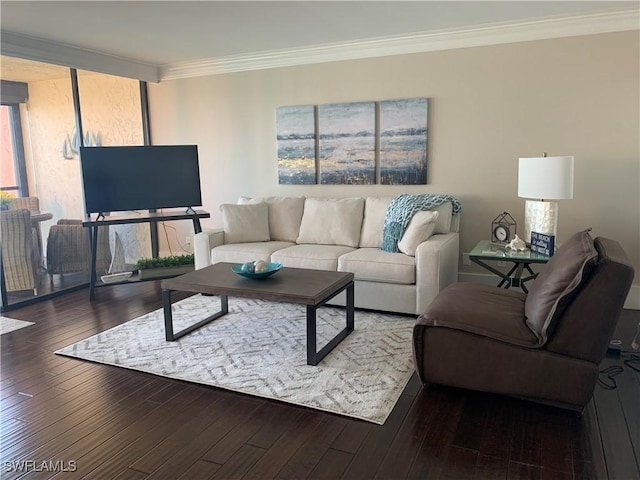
(150, 217)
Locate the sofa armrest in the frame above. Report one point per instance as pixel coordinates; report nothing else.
(203, 242)
(436, 266)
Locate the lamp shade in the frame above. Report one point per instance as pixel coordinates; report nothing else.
(548, 178)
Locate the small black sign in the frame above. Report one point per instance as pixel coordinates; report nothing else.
(543, 243)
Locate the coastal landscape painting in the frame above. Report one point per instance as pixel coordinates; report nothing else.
(403, 141)
(296, 139)
(347, 143)
(358, 143)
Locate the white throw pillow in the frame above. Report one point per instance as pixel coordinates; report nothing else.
(443, 224)
(375, 211)
(420, 228)
(245, 223)
(332, 221)
(285, 214)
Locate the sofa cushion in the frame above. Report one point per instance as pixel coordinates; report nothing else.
(332, 221)
(571, 264)
(443, 225)
(420, 228)
(375, 211)
(319, 257)
(285, 214)
(245, 223)
(246, 252)
(375, 265)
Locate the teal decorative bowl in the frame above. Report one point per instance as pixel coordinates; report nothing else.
(272, 267)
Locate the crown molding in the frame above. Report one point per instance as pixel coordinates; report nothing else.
(422, 42)
(30, 48)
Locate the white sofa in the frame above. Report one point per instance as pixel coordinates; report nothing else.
(341, 234)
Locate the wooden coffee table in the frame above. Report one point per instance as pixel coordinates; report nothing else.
(312, 288)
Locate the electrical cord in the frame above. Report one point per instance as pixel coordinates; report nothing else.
(610, 372)
(619, 350)
(166, 235)
(633, 362)
(175, 231)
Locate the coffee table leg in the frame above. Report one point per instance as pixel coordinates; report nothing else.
(311, 336)
(350, 307)
(168, 317)
(313, 357)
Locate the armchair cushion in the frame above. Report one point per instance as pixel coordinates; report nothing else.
(552, 290)
(486, 311)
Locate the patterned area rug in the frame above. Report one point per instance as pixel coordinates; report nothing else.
(10, 324)
(259, 348)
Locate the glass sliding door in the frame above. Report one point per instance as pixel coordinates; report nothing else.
(111, 112)
(42, 161)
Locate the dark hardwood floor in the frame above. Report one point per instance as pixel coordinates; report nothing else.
(48, 286)
(103, 422)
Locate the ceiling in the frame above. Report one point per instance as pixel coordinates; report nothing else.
(163, 34)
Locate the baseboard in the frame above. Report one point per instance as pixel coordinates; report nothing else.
(632, 302)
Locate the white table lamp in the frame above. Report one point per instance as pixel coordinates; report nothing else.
(544, 178)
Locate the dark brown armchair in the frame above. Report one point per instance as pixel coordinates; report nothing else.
(544, 346)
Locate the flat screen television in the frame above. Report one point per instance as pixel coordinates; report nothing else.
(117, 179)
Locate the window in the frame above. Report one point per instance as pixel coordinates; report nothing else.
(13, 170)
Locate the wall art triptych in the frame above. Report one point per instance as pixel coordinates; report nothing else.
(362, 143)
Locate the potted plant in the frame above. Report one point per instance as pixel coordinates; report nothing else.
(5, 199)
(164, 266)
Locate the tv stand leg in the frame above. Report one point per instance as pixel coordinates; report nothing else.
(94, 250)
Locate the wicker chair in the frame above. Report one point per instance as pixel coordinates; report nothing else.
(69, 249)
(18, 263)
(33, 205)
(30, 203)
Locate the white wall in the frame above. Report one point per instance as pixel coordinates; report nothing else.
(489, 106)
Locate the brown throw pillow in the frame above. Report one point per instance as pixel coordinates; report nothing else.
(571, 264)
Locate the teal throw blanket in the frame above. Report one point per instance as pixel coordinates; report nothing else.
(402, 208)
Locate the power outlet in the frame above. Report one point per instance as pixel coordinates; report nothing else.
(188, 241)
(465, 259)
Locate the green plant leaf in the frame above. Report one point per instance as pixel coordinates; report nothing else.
(170, 261)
